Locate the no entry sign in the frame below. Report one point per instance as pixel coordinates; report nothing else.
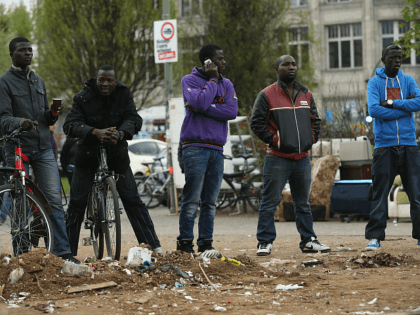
(166, 41)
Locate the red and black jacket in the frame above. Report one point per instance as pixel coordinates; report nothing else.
(288, 127)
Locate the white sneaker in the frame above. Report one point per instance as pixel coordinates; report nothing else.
(264, 249)
(211, 253)
(314, 246)
(374, 244)
(158, 250)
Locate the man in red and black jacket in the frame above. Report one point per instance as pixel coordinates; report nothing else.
(285, 117)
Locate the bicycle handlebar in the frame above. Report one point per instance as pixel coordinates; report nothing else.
(16, 133)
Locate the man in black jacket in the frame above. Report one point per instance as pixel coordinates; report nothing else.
(67, 155)
(285, 117)
(23, 100)
(104, 112)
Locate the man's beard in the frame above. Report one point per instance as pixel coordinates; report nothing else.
(288, 80)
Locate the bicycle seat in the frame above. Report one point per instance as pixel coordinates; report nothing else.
(158, 158)
(233, 175)
(246, 156)
(7, 169)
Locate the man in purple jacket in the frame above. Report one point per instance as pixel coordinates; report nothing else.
(210, 101)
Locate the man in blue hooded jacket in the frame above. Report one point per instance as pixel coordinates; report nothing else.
(211, 101)
(393, 97)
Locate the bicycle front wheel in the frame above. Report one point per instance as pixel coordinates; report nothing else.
(112, 222)
(23, 228)
(254, 191)
(93, 220)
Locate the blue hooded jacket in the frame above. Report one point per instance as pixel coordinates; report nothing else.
(393, 126)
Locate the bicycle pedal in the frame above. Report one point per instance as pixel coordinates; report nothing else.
(87, 241)
(88, 224)
(121, 210)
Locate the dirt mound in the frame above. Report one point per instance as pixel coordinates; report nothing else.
(383, 260)
(43, 273)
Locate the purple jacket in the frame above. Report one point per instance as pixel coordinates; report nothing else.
(215, 104)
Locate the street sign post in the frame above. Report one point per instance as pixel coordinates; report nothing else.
(166, 52)
(166, 41)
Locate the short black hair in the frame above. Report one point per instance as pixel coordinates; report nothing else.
(15, 41)
(207, 51)
(108, 68)
(280, 59)
(389, 48)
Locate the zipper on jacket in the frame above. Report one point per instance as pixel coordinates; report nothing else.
(386, 94)
(294, 111)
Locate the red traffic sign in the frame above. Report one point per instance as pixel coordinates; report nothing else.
(167, 31)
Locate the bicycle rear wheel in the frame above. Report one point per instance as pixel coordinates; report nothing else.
(18, 236)
(93, 222)
(150, 199)
(112, 222)
(254, 191)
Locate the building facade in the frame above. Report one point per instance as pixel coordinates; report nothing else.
(345, 50)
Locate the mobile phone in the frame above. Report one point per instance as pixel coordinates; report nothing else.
(206, 62)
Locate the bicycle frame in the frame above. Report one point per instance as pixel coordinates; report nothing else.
(19, 210)
(164, 180)
(100, 176)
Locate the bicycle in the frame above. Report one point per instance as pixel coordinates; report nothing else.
(25, 208)
(153, 188)
(249, 191)
(103, 212)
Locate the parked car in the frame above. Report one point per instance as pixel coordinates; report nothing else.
(143, 151)
(158, 166)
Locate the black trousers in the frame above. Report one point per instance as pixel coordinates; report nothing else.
(134, 207)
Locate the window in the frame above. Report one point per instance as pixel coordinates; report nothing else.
(298, 3)
(191, 7)
(144, 148)
(391, 32)
(299, 45)
(345, 49)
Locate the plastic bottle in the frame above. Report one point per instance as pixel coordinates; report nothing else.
(82, 270)
(138, 255)
(15, 275)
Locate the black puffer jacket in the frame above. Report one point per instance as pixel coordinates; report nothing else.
(91, 111)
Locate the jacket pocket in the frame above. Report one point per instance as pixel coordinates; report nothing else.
(22, 99)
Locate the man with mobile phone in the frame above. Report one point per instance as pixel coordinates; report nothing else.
(210, 101)
(23, 100)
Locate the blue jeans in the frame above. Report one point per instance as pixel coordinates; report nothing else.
(277, 171)
(136, 210)
(48, 179)
(388, 163)
(203, 178)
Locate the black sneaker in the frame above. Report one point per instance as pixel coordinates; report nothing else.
(70, 258)
(264, 249)
(207, 250)
(185, 246)
(314, 246)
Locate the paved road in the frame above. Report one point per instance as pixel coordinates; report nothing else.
(246, 224)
